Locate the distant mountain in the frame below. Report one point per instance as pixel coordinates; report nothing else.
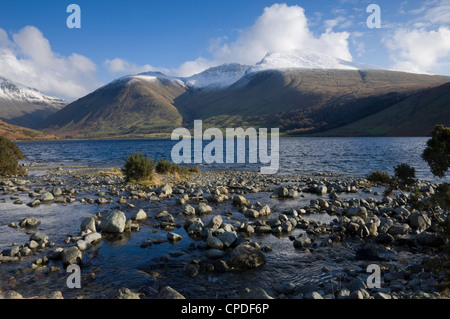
(299, 92)
(17, 133)
(24, 106)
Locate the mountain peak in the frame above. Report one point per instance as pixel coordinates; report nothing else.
(306, 59)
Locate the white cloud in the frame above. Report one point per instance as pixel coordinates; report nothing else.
(279, 28)
(282, 28)
(124, 67)
(29, 59)
(420, 50)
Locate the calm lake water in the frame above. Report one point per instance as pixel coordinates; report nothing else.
(346, 156)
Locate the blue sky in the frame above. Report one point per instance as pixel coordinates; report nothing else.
(185, 37)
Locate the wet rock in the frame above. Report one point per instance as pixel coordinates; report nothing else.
(283, 287)
(189, 210)
(29, 222)
(191, 270)
(34, 203)
(139, 216)
(83, 245)
(173, 237)
(265, 211)
(302, 241)
(10, 294)
(214, 242)
(71, 255)
(215, 222)
(114, 222)
(39, 237)
(194, 226)
(169, 293)
(419, 221)
(93, 238)
(215, 253)
(384, 239)
(401, 229)
(88, 223)
(227, 238)
(382, 295)
(251, 213)
(240, 201)
(246, 257)
(46, 197)
(204, 209)
(165, 216)
(254, 293)
(165, 191)
(125, 293)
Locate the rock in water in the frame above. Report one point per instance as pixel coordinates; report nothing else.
(114, 223)
(29, 222)
(88, 223)
(240, 201)
(140, 215)
(246, 257)
(46, 197)
(71, 255)
(169, 293)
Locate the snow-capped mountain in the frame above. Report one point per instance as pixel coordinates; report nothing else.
(306, 59)
(25, 106)
(13, 91)
(225, 75)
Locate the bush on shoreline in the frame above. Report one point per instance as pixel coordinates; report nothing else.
(10, 155)
(379, 177)
(138, 167)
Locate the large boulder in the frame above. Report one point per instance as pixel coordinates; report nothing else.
(246, 257)
(114, 222)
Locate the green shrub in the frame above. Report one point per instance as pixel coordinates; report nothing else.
(405, 174)
(138, 167)
(10, 155)
(442, 196)
(379, 177)
(166, 167)
(437, 152)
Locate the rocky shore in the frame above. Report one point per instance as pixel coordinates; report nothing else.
(226, 234)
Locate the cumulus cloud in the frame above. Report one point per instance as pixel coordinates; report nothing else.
(282, 28)
(420, 50)
(279, 28)
(424, 45)
(28, 59)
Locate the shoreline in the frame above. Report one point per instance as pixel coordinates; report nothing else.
(238, 227)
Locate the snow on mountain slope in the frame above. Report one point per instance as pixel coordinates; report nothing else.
(15, 92)
(224, 75)
(305, 59)
(220, 76)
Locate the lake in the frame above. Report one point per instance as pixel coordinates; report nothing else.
(356, 156)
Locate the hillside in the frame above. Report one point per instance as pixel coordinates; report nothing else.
(17, 133)
(414, 116)
(296, 92)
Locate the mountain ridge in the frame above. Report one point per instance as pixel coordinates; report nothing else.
(296, 92)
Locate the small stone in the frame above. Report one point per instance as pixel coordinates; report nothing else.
(71, 255)
(169, 293)
(173, 237)
(139, 216)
